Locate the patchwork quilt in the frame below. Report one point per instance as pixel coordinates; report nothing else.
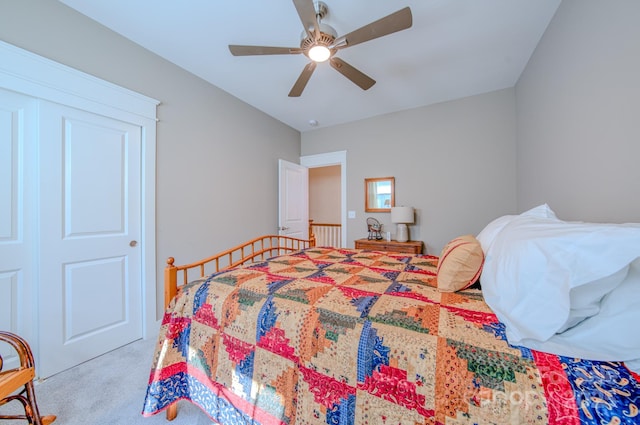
(343, 336)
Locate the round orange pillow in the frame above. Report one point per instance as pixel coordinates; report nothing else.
(460, 264)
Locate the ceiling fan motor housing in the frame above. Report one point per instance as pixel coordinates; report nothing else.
(327, 36)
(327, 33)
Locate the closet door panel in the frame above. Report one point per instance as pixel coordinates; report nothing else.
(94, 176)
(91, 272)
(17, 207)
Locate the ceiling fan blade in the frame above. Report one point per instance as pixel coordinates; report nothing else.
(397, 21)
(362, 80)
(262, 50)
(302, 80)
(307, 12)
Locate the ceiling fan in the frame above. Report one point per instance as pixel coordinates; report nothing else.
(320, 42)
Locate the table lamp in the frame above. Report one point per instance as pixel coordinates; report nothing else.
(402, 216)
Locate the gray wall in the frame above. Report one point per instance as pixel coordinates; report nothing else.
(454, 162)
(578, 112)
(205, 179)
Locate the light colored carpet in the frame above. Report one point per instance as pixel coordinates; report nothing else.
(108, 390)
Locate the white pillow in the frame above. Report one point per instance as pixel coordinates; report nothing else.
(610, 335)
(491, 230)
(537, 261)
(585, 300)
(541, 211)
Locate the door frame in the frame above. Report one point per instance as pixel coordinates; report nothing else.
(27, 73)
(326, 160)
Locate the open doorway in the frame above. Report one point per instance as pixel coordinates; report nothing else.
(325, 205)
(327, 196)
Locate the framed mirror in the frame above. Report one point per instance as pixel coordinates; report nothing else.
(379, 194)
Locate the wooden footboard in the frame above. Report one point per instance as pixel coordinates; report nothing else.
(258, 249)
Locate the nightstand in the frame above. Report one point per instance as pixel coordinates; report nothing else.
(410, 247)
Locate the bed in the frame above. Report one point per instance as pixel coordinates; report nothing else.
(320, 335)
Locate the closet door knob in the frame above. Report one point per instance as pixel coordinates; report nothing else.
(133, 243)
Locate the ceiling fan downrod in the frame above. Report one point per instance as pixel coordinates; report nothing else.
(321, 10)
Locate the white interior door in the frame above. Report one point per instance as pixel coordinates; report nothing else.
(293, 194)
(17, 211)
(90, 202)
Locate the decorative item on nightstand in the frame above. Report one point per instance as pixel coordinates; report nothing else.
(374, 227)
(402, 216)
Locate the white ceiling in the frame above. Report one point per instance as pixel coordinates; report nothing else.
(455, 48)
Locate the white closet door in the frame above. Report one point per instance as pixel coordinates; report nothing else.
(90, 203)
(17, 213)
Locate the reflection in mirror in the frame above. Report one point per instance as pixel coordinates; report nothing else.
(379, 194)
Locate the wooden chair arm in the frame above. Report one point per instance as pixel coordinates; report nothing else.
(21, 346)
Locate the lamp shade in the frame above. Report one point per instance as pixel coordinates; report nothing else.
(402, 215)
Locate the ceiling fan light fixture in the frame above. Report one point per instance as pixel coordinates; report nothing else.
(319, 42)
(319, 53)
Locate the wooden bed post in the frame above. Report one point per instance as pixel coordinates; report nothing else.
(170, 291)
(170, 281)
(312, 237)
